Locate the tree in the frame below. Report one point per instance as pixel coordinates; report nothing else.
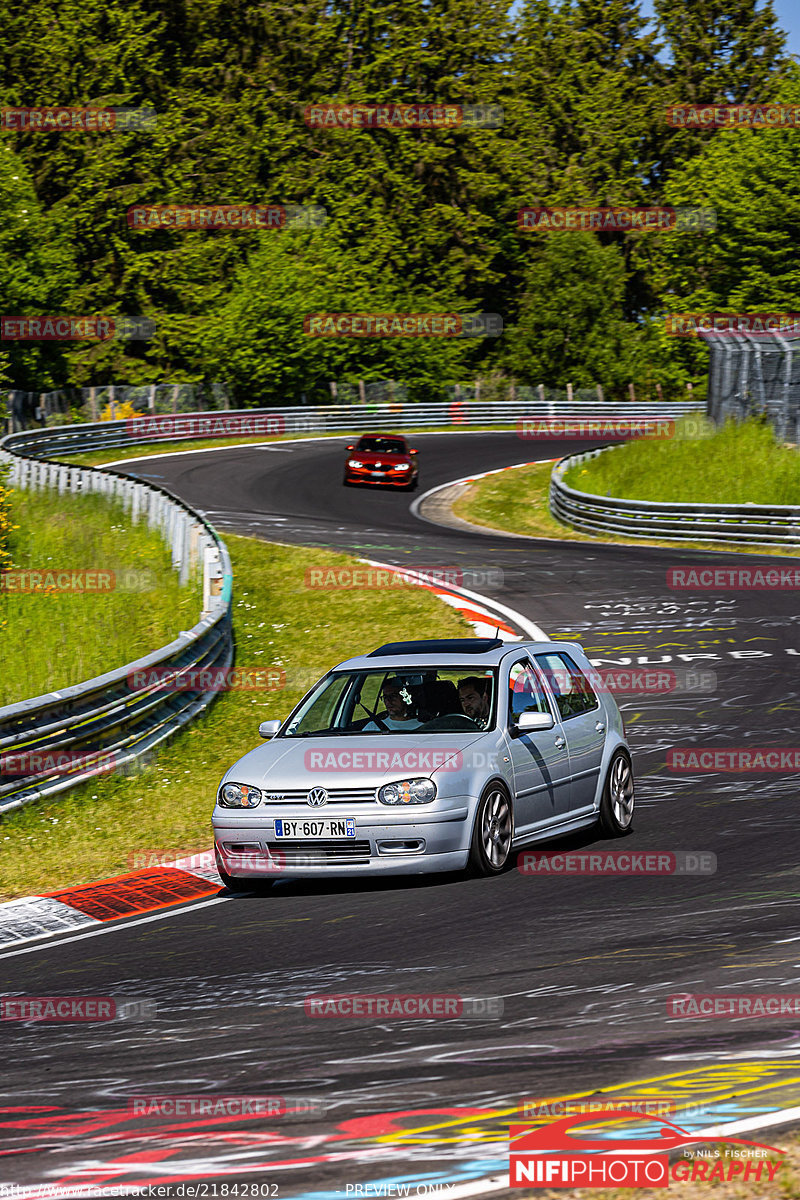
(751, 178)
(256, 338)
(570, 328)
(37, 272)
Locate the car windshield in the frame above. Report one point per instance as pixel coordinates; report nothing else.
(382, 445)
(398, 700)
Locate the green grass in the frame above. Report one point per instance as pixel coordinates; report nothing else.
(517, 501)
(91, 832)
(53, 639)
(731, 465)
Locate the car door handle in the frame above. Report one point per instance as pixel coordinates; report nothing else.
(560, 743)
(599, 726)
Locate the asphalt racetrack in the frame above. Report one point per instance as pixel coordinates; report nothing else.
(584, 965)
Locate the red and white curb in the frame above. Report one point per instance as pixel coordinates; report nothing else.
(488, 617)
(92, 904)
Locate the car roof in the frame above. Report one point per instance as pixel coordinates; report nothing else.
(447, 652)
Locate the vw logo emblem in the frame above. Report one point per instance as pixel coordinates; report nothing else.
(317, 797)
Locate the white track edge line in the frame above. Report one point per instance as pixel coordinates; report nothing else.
(534, 632)
(110, 926)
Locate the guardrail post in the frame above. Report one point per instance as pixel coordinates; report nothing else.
(212, 577)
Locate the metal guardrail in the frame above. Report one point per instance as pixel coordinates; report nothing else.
(764, 524)
(66, 737)
(101, 435)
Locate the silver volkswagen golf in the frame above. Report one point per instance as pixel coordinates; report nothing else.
(428, 756)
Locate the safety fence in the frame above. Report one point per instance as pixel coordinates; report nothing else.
(56, 741)
(764, 524)
(73, 439)
(751, 375)
(110, 402)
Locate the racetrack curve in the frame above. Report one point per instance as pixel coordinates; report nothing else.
(584, 964)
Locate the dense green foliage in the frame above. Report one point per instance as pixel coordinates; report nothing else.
(418, 220)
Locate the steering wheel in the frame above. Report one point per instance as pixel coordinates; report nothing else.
(450, 722)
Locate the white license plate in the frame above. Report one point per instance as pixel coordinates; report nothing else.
(342, 827)
(381, 473)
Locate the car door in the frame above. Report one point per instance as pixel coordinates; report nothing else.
(583, 721)
(540, 760)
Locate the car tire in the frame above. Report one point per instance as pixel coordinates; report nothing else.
(233, 884)
(617, 803)
(492, 832)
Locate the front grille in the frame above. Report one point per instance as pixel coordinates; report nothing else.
(335, 796)
(324, 851)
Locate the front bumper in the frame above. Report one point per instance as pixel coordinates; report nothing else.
(393, 479)
(248, 848)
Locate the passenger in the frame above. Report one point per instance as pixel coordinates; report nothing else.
(474, 694)
(397, 700)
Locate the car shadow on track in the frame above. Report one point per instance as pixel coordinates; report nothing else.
(362, 885)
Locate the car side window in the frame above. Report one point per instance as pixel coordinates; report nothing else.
(525, 693)
(569, 685)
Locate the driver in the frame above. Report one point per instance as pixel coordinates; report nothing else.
(473, 692)
(397, 699)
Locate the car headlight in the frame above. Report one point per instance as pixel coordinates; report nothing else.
(239, 795)
(403, 467)
(408, 791)
(354, 462)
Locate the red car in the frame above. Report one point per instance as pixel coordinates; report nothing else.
(382, 458)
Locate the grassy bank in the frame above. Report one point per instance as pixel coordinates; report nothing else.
(731, 465)
(91, 832)
(517, 502)
(51, 638)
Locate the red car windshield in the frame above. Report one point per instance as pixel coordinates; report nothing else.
(382, 445)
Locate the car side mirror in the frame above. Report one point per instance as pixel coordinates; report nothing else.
(534, 722)
(412, 452)
(269, 728)
(351, 447)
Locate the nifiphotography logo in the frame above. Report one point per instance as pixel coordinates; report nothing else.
(549, 1156)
